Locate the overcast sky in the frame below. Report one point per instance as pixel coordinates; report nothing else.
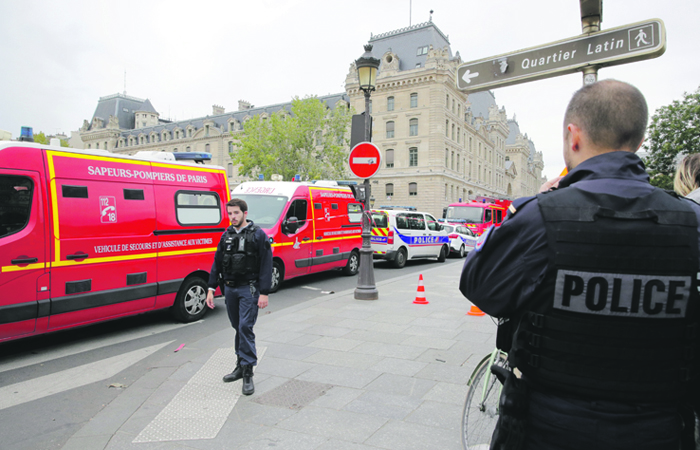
(59, 57)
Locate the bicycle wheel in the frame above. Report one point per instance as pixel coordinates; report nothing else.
(481, 406)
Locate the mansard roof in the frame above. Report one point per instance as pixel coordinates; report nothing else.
(122, 107)
(480, 102)
(146, 106)
(405, 43)
(513, 132)
(222, 120)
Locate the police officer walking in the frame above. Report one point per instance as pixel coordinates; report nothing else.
(243, 266)
(595, 282)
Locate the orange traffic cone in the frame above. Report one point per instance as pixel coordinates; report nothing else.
(420, 296)
(474, 311)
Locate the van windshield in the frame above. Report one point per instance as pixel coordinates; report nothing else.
(470, 214)
(264, 210)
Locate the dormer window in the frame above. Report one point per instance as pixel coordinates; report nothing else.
(422, 50)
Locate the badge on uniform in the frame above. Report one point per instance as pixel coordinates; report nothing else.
(482, 239)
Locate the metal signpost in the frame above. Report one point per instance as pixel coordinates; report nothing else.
(365, 159)
(621, 45)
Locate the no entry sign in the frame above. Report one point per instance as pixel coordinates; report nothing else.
(365, 159)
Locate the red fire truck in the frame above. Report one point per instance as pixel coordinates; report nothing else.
(87, 236)
(479, 214)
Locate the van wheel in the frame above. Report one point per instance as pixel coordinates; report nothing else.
(443, 254)
(400, 260)
(462, 251)
(190, 304)
(277, 276)
(353, 264)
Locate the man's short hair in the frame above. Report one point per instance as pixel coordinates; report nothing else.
(238, 202)
(613, 114)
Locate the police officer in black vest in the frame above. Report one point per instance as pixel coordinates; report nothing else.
(596, 284)
(243, 266)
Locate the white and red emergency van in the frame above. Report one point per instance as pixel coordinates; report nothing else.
(87, 236)
(312, 226)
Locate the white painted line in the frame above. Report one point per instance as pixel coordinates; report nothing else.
(48, 354)
(34, 389)
(361, 160)
(201, 408)
(311, 288)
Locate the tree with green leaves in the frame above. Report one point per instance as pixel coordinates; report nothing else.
(311, 141)
(674, 132)
(41, 138)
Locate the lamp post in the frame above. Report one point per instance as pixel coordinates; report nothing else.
(366, 289)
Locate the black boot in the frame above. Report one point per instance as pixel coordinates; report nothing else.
(237, 373)
(248, 386)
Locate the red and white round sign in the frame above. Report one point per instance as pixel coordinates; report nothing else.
(365, 159)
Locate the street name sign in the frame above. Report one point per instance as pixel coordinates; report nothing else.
(621, 45)
(365, 159)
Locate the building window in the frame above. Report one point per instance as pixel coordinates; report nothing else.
(229, 170)
(417, 65)
(206, 148)
(230, 146)
(412, 188)
(389, 130)
(452, 164)
(422, 50)
(507, 158)
(189, 132)
(453, 132)
(390, 104)
(97, 145)
(453, 106)
(414, 100)
(177, 135)
(413, 157)
(187, 149)
(206, 130)
(390, 158)
(389, 189)
(413, 127)
(458, 133)
(446, 191)
(447, 157)
(447, 100)
(457, 163)
(447, 128)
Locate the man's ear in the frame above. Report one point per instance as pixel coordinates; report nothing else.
(575, 136)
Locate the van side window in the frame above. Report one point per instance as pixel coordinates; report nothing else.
(197, 208)
(133, 194)
(355, 213)
(317, 206)
(381, 220)
(74, 191)
(402, 222)
(298, 210)
(487, 215)
(432, 223)
(499, 215)
(15, 203)
(334, 206)
(416, 221)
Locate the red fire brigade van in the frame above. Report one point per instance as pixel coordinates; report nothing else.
(88, 236)
(478, 215)
(312, 226)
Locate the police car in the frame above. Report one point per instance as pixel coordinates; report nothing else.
(462, 239)
(400, 234)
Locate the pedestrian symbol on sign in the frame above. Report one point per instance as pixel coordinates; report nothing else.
(641, 37)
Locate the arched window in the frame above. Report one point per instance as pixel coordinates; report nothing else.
(389, 130)
(389, 189)
(413, 127)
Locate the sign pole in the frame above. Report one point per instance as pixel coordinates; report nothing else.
(366, 288)
(591, 17)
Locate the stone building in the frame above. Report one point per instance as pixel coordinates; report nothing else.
(125, 124)
(438, 145)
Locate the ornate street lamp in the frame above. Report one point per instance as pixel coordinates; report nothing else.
(366, 289)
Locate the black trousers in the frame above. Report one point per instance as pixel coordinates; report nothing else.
(242, 307)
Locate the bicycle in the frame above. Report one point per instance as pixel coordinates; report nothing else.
(481, 406)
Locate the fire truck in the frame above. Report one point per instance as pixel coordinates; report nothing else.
(479, 214)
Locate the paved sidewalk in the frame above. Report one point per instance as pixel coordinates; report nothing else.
(334, 373)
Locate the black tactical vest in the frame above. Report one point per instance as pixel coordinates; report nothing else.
(616, 316)
(240, 255)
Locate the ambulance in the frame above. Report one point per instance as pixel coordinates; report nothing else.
(478, 215)
(312, 226)
(87, 236)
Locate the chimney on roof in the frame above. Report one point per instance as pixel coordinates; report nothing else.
(217, 110)
(243, 105)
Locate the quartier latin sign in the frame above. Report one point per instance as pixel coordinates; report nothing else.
(621, 45)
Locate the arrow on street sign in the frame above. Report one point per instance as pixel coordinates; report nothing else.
(467, 77)
(621, 45)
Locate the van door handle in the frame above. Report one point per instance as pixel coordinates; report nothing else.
(78, 256)
(306, 238)
(24, 261)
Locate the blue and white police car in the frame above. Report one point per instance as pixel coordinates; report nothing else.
(462, 239)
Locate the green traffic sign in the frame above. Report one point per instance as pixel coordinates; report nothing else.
(621, 45)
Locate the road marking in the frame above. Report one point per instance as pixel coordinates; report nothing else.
(34, 389)
(311, 288)
(24, 360)
(200, 409)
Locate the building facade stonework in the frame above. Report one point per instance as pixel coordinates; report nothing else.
(438, 145)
